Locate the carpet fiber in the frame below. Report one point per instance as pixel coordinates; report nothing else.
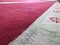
(15, 18)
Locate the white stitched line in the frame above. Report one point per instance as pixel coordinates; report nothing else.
(21, 2)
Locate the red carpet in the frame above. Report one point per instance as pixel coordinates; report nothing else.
(15, 18)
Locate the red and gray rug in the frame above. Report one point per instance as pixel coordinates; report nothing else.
(16, 17)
